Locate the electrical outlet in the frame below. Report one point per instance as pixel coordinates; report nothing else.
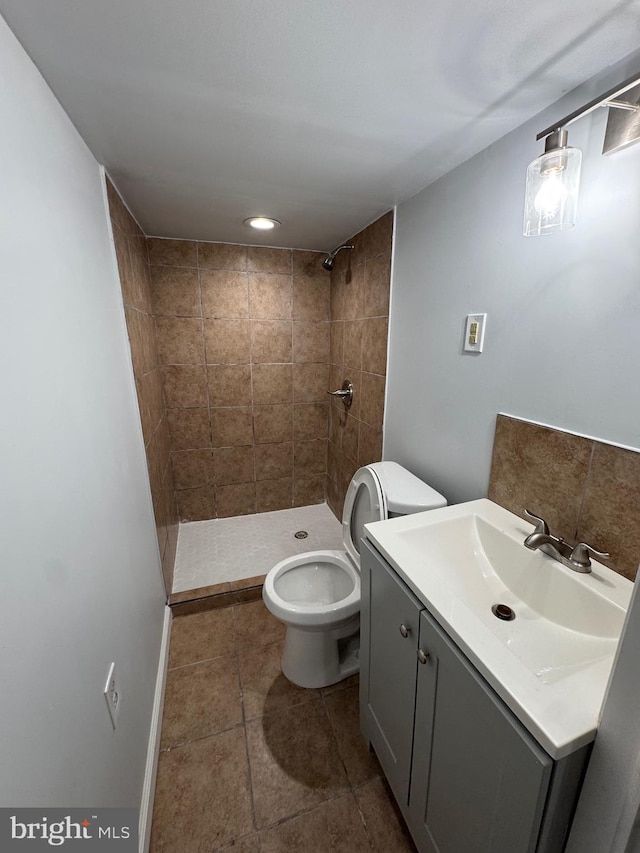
(112, 695)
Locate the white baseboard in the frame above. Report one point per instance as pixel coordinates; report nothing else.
(153, 751)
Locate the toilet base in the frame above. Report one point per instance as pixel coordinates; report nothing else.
(317, 658)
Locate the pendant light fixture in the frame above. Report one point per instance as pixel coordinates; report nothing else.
(553, 179)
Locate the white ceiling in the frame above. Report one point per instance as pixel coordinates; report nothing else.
(320, 113)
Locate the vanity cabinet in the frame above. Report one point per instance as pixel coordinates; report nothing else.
(467, 775)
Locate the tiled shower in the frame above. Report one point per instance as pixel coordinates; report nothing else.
(234, 348)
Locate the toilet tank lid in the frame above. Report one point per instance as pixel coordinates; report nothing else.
(405, 493)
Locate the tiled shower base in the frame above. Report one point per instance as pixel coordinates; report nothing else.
(222, 554)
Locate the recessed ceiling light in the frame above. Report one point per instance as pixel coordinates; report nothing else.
(262, 223)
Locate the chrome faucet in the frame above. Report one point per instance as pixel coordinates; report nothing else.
(575, 557)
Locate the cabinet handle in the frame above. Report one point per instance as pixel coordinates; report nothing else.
(405, 631)
(423, 657)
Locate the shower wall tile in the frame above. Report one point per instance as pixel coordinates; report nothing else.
(274, 461)
(227, 341)
(310, 457)
(192, 468)
(138, 296)
(270, 296)
(309, 490)
(225, 294)
(237, 499)
(196, 504)
(234, 465)
(172, 253)
(180, 340)
(185, 386)
(311, 296)
(588, 491)
(265, 259)
(311, 342)
(310, 382)
(175, 292)
(272, 495)
(229, 384)
(310, 420)
(272, 424)
(272, 383)
(360, 288)
(232, 426)
(222, 256)
(223, 318)
(189, 429)
(271, 341)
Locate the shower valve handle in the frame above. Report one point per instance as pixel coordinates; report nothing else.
(346, 393)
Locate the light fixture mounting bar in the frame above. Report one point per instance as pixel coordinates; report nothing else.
(606, 100)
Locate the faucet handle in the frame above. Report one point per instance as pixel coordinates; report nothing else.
(580, 554)
(541, 526)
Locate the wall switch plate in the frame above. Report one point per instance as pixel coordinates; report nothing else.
(112, 695)
(474, 332)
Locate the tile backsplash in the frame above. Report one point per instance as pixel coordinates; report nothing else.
(587, 490)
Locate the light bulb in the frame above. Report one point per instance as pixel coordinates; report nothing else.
(551, 196)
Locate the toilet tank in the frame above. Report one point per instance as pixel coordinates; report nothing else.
(405, 493)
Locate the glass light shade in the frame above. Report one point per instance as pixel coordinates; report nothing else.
(551, 196)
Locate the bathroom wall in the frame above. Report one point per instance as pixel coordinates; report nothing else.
(133, 267)
(586, 490)
(561, 335)
(360, 288)
(81, 577)
(243, 339)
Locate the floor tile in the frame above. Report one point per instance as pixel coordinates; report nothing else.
(334, 827)
(203, 798)
(250, 844)
(255, 627)
(295, 763)
(343, 708)
(352, 681)
(201, 699)
(385, 825)
(201, 636)
(264, 688)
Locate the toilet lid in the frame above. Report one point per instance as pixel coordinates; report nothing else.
(363, 503)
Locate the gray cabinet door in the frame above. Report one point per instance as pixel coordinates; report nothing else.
(389, 669)
(479, 780)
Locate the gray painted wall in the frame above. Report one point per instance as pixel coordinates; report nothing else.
(81, 583)
(563, 310)
(561, 348)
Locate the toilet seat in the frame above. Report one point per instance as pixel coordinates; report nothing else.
(364, 502)
(323, 586)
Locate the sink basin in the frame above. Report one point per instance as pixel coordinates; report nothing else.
(463, 560)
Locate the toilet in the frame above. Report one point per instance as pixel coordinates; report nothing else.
(317, 594)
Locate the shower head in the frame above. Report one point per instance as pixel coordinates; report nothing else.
(328, 261)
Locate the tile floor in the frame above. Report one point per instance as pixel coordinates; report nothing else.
(251, 763)
(230, 549)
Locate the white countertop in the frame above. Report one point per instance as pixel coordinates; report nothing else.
(553, 679)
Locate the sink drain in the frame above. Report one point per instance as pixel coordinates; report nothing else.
(301, 534)
(503, 611)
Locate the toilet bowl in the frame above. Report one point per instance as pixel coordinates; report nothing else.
(317, 594)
